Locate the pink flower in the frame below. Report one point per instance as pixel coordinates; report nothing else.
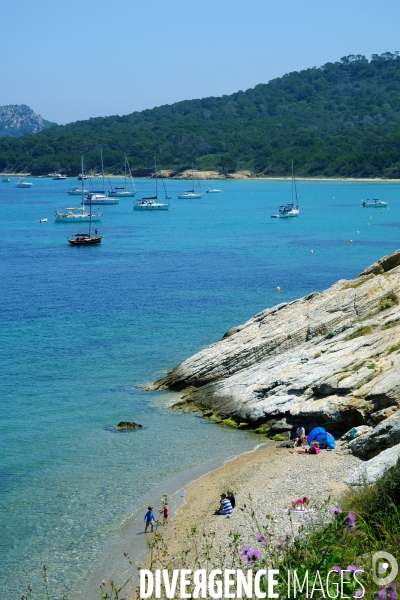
(249, 555)
(358, 593)
(352, 521)
(337, 568)
(336, 509)
(261, 539)
(353, 568)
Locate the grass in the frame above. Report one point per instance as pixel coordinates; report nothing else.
(359, 366)
(388, 302)
(394, 348)
(391, 324)
(229, 423)
(359, 332)
(358, 283)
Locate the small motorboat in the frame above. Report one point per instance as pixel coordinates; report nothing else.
(42, 220)
(213, 191)
(58, 177)
(76, 191)
(375, 203)
(21, 183)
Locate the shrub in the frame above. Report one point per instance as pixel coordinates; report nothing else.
(388, 302)
(360, 331)
(229, 423)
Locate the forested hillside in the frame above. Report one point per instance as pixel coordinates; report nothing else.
(341, 119)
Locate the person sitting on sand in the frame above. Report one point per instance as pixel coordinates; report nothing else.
(231, 498)
(149, 519)
(300, 436)
(299, 503)
(225, 507)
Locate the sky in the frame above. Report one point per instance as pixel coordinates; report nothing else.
(74, 60)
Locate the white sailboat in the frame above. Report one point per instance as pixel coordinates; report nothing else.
(289, 210)
(190, 194)
(98, 197)
(77, 214)
(124, 192)
(152, 202)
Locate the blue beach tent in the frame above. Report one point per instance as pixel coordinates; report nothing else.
(324, 439)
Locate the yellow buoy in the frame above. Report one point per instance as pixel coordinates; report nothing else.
(351, 241)
(358, 232)
(370, 217)
(311, 251)
(278, 289)
(368, 224)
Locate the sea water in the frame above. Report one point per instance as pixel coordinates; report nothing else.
(82, 329)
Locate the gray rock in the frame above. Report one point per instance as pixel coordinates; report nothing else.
(128, 425)
(329, 359)
(373, 469)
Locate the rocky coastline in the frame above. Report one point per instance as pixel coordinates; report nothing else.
(329, 359)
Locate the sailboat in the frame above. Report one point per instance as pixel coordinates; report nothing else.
(191, 193)
(85, 239)
(152, 202)
(78, 213)
(123, 192)
(290, 210)
(98, 197)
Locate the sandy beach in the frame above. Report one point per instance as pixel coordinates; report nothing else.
(272, 477)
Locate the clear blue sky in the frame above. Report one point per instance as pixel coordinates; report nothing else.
(87, 58)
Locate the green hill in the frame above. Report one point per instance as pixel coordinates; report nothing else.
(341, 119)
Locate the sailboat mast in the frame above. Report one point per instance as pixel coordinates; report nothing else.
(82, 179)
(155, 175)
(102, 167)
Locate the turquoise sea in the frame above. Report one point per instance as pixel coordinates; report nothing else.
(82, 329)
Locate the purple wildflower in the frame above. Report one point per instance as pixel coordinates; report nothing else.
(352, 521)
(249, 555)
(393, 595)
(353, 568)
(261, 539)
(382, 593)
(337, 568)
(358, 593)
(336, 509)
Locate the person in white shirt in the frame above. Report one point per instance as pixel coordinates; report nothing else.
(300, 435)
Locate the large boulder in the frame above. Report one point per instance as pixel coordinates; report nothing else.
(373, 469)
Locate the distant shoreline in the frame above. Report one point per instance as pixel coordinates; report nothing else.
(233, 177)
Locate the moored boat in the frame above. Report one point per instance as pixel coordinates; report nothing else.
(78, 214)
(375, 203)
(77, 192)
(213, 191)
(152, 202)
(5, 180)
(123, 191)
(21, 183)
(58, 177)
(191, 194)
(85, 239)
(291, 209)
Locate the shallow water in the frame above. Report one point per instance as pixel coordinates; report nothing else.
(83, 328)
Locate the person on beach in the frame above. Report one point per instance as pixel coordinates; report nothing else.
(149, 519)
(299, 503)
(314, 448)
(300, 436)
(165, 514)
(225, 507)
(231, 498)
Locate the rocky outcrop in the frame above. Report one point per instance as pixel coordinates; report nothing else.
(17, 119)
(124, 425)
(330, 359)
(373, 469)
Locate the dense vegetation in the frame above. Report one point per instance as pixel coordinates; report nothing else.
(342, 119)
